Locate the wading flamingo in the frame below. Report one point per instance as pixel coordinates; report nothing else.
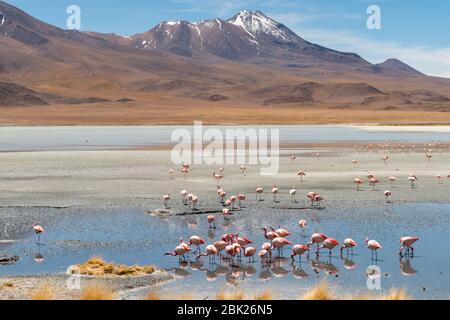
(194, 201)
(373, 182)
(226, 213)
(355, 163)
(408, 243)
(264, 255)
(302, 224)
(218, 177)
(292, 158)
(282, 233)
(311, 196)
(429, 156)
(301, 174)
(329, 244)
(358, 182)
(38, 230)
(184, 193)
(279, 243)
(387, 195)
(180, 251)
(299, 250)
(233, 201)
(166, 199)
(243, 170)
(385, 159)
(269, 235)
(222, 195)
(318, 199)
(317, 238)
(220, 246)
(185, 172)
(293, 192)
(171, 174)
(250, 253)
(438, 178)
(349, 244)
(259, 192)
(275, 192)
(241, 198)
(210, 252)
(268, 247)
(196, 241)
(211, 221)
(413, 180)
(232, 250)
(392, 180)
(374, 246)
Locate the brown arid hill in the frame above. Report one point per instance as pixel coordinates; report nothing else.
(248, 69)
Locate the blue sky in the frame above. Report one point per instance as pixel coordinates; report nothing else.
(414, 31)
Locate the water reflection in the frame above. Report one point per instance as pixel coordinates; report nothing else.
(405, 266)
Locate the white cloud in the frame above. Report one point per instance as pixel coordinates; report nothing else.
(429, 60)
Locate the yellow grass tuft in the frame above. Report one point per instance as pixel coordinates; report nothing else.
(319, 292)
(8, 284)
(265, 295)
(153, 296)
(97, 292)
(396, 294)
(222, 295)
(98, 267)
(44, 292)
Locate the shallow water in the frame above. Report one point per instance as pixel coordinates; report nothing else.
(133, 237)
(101, 137)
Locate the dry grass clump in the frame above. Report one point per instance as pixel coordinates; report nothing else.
(319, 292)
(98, 267)
(396, 294)
(265, 295)
(97, 292)
(44, 292)
(223, 295)
(175, 297)
(8, 284)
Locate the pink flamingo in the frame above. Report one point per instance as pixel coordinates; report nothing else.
(311, 196)
(264, 255)
(233, 201)
(226, 213)
(392, 180)
(439, 177)
(318, 156)
(299, 250)
(317, 238)
(166, 199)
(329, 244)
(196, 241)
(293, 192)
(228, 238)
(269, 235)
(243, 241)
(184, 195)
(374, 246)
(259, 192)
(38, 230)
(275, 192)
(185, 172)
(211, 221)
(282, 233)
(171, 173)
(267, 246)
(250, 253)
(349, 244)
(301, 174)
(210, 252)
(194, 201)
(355, 162)
(413, 180)
(358, 182)
(387, 195)
(408, 243)
(222, 195)
(429, 156)
(241, 198)
(385, 159)
(318, 198)
(373, 182)
(302, 224)
(292, 158)
(180, 251)
(232, 250)
(220, 246)
(218, 177)
(279, 243)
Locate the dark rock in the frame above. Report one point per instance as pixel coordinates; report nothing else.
(6, 259)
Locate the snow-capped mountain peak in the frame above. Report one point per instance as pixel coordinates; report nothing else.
(255, 22)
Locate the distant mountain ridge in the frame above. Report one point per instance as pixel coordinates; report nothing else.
(248, 58)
